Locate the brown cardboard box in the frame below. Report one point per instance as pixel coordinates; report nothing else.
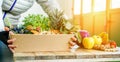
(36, 43)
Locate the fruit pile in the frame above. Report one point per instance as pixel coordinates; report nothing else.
(97, 42)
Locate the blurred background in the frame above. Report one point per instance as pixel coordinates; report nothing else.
(95, 16)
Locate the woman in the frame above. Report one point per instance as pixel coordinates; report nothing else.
(12, 9)
(6, 47)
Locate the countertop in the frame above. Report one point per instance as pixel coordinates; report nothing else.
(79, 55)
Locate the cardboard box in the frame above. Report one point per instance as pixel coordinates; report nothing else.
(46, 42)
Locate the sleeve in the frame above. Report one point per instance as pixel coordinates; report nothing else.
(1, 21)
(13, 19)
(18, 7)
(50, 5)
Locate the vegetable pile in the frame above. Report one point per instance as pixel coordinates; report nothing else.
(54, 23)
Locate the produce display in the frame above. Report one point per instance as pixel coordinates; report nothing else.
(97, 42)
(45, 33)
(55, 23)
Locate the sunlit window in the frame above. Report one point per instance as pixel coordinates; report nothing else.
(77, 6)
(86, 6)
(115, 3)
(99, 5)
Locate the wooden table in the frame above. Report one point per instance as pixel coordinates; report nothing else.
(79, 55)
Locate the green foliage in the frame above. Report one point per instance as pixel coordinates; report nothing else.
(78, 36)
(37, 21)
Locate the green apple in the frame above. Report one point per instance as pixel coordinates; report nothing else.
(97, 40)
(88, 42)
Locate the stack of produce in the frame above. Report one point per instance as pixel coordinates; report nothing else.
(97, 42)
(54, 23)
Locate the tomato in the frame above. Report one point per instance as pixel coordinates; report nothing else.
(113, 44)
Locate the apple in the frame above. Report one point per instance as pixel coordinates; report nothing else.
(84, 33)
(88, 42)
(97, 40)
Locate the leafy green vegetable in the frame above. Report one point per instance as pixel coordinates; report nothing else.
(37, 21)
(78, 36)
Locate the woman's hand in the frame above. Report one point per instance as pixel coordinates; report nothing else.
(10, 41)
(10, 44)
(74, 43)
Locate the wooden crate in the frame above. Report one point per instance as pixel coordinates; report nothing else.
(36, 43)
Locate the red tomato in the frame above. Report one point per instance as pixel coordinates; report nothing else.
(113, 44)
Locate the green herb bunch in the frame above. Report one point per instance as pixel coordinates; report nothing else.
(36, 22)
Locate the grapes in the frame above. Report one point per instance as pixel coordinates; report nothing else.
(18, 30)
(21, 30)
